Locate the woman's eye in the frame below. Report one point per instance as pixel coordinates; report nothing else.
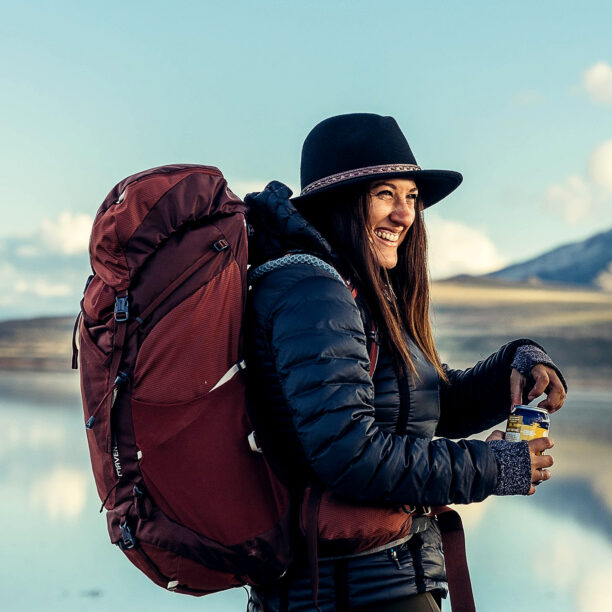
(412, 196)
(385, 194)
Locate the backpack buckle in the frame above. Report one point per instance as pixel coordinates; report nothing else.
(121, 308)
(221, 245)
(127, 539)
(416, 510)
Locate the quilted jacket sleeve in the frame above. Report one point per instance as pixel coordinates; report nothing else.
(479, 397)
(310, 326)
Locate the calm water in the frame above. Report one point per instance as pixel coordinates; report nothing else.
(550, 552)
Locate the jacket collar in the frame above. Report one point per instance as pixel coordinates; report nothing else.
(276, 227)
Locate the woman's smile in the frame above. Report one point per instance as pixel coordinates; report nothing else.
(388, 236)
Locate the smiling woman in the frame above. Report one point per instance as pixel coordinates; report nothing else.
(348, 389)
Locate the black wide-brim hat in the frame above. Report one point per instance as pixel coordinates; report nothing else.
(348, 149)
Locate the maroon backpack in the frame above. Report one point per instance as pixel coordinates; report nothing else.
(187, 499)
(190, 498)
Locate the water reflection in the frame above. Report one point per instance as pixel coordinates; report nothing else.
(527, 556)
(548, 552)
(59, 493)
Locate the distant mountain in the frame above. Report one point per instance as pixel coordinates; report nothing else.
(36, 344)
(586, 263)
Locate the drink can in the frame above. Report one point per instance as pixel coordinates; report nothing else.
(527, 423)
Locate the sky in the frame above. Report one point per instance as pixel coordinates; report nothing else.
(515, 96)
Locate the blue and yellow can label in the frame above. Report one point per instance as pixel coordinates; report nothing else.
(527, 423)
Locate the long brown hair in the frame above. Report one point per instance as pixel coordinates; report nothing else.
(398, 298)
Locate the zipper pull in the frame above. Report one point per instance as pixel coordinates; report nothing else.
(393, 555)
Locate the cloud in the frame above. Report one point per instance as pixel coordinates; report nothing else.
(67, 234)
(580, 198)
(600, 165)
(604, 279)
(456, 248)
(26, 292)
(597, 81)
(44, 272)
(42, 288)
(573, 199)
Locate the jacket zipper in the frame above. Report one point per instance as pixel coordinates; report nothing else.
(394, 558)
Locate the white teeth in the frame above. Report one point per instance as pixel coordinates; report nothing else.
(390, 236)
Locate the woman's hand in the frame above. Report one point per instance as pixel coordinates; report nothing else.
(539, 461)
(546, 381)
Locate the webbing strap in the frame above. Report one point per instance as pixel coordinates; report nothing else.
(119, 337)
(312, 540)
(371, 335)
(457, 572)
(373, 349)
(241, 365)
(179, 280)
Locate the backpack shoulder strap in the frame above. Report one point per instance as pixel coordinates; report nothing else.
(369, 324)
(371, 330)
(453, 544)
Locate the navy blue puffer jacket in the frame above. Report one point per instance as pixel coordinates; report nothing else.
(321, 417)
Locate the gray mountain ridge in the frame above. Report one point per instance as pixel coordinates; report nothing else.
(586, 263)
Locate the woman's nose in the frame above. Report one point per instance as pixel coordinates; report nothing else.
(403, 212)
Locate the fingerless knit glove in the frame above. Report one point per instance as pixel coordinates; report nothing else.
(514, 467)
(527, 356)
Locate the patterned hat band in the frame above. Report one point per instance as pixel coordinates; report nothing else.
(352, 174)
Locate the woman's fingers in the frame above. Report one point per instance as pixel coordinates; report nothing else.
(545, 380)
(555, 392)
(517, 383)
(496, 435)
(539, 462)
(541, 380)
(541, 476)
(544, 475)
(538, 445)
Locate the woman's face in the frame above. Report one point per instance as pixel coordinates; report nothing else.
(392, 211)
